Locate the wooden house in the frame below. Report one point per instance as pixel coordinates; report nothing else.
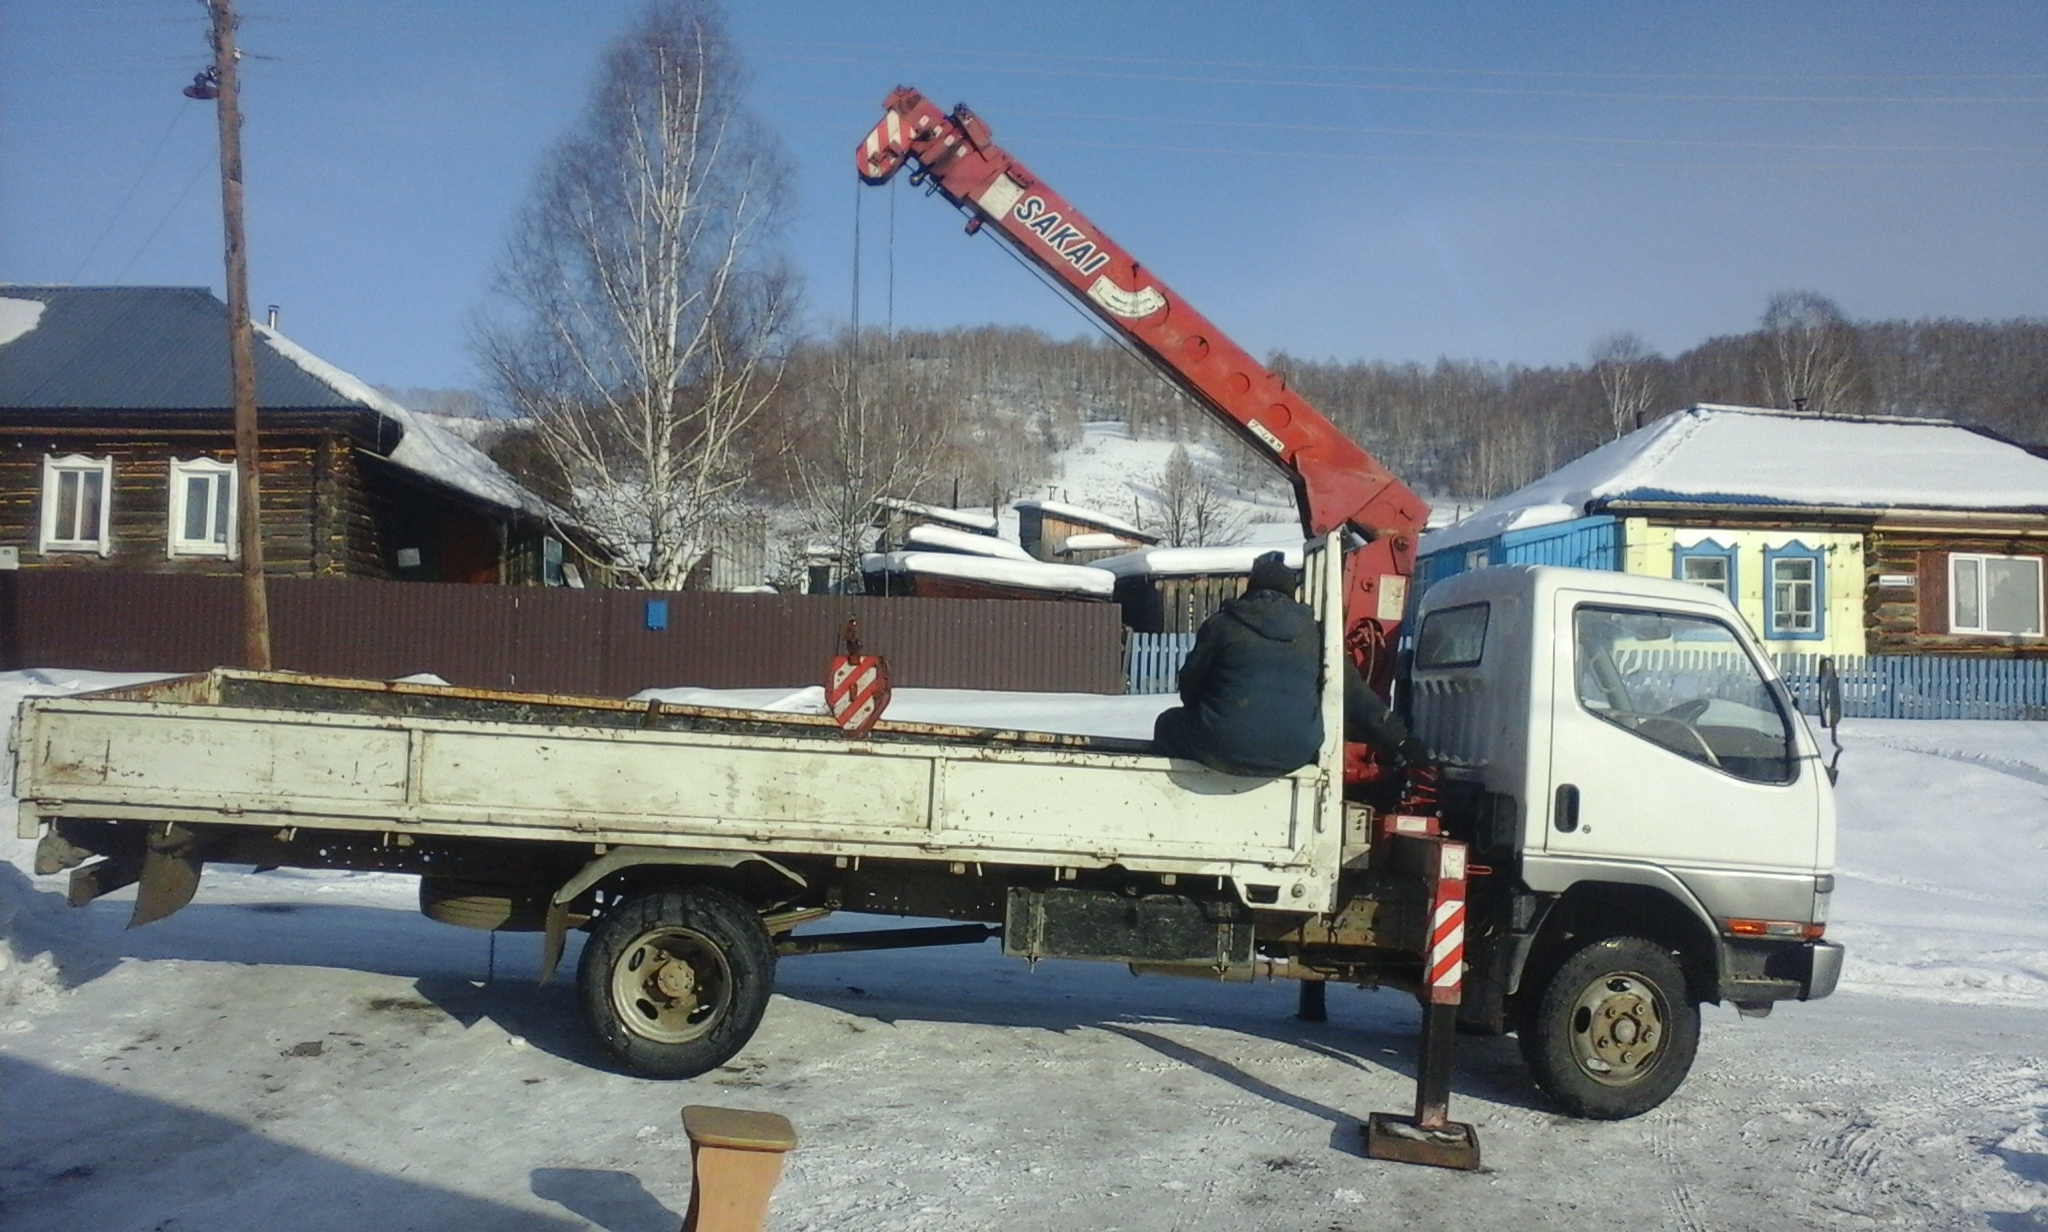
(1046, 528)
(1173, 590)
(895, 519)
(1831, 534)
(117, 452)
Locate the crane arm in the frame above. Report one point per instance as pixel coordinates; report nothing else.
(1337, 484)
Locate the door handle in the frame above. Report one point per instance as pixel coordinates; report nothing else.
(1566, 815)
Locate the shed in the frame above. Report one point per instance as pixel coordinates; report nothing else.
(896, 518)
(1173, 590)
(1045, 528)
(1831, 534)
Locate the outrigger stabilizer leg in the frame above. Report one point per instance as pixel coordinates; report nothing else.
(1430, 1136)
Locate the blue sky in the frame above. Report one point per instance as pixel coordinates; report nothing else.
(1359, 180)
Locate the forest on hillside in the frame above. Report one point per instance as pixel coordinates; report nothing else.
(1006, 399)
(975, 415)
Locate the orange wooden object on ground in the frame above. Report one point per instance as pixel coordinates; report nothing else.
(735, 1161)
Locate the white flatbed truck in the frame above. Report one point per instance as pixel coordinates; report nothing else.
(1634, 820)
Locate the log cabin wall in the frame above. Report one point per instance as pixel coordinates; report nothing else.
(1914, 619)
(139, 508)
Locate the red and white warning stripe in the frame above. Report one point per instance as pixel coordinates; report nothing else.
(1446, 963)
(857, 692)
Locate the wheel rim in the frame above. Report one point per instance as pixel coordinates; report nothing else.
(1617, 1028)
(671, 985)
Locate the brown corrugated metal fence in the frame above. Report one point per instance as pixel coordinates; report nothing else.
(560, 641)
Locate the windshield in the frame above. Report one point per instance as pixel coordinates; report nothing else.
(1685, 683)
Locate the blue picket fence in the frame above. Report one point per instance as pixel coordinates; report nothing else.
(1925, 686)
(1152, 661)
(1873, 687)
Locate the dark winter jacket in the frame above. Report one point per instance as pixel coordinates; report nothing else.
(1250, 689)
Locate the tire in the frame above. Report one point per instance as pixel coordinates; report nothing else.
(1612, 1033)
(484, 904)
(673, 983)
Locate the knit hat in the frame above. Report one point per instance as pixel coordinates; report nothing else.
(1270, 572)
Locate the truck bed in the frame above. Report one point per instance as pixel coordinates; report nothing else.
(288, 751)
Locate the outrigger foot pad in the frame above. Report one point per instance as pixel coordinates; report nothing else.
(1401, 1140)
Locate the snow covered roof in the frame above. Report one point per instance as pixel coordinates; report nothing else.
(1186, 562)
(1755, 457)
(1094, 542)
(149, 349)
(980, 523)
(1029, 574)
(945, 539)
(1090, 517)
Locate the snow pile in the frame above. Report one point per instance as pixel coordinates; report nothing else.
(946, 539)
(1126, 717)
(36, 926)
(1738, 455)
(1024, 574)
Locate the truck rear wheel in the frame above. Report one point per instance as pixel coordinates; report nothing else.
(1612, 1033)
(674, 982)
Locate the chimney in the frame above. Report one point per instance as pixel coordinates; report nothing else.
(272, 322)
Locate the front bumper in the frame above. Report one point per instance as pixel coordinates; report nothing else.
(1755, 971)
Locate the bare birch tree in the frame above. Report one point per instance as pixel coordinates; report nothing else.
(640, 307)
(861, 433)
(1810, 353)
(1186, 508)
(1624, 364)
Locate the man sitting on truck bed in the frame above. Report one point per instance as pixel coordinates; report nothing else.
(1250, 689)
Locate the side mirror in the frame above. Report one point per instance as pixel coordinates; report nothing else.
(1830, 689)
(1830, 683)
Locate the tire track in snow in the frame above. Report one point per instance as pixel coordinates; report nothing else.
(2024, 771)
(1678, 1197)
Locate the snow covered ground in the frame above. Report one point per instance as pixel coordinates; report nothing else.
(303, 1050)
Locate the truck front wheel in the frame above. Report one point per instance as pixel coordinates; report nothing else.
(674, 982)
(1612, 1033)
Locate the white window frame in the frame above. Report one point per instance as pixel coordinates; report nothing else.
(1982, 559)
(223, 475)
(54, 468)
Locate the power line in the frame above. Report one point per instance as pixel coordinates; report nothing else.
(1501, 91)
(177, 114)
(1393, 69)
(1459, 134)
(154, 231)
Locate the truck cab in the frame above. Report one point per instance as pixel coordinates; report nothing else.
(1629, 769)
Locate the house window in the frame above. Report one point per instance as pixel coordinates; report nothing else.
(1994, 594)
(77, 494)
(1796, 577)
(1706, 563)
(551, 561)
(202, 508)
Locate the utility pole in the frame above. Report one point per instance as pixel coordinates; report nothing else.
(221, 82)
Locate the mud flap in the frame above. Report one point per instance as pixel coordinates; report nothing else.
(170, 874)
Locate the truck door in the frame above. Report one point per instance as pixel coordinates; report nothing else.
(1670, 747)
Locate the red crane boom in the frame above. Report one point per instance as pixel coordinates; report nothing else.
(1337, 484)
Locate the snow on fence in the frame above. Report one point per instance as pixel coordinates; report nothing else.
(1873, 686)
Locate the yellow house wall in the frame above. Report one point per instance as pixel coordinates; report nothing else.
(1648, 549)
